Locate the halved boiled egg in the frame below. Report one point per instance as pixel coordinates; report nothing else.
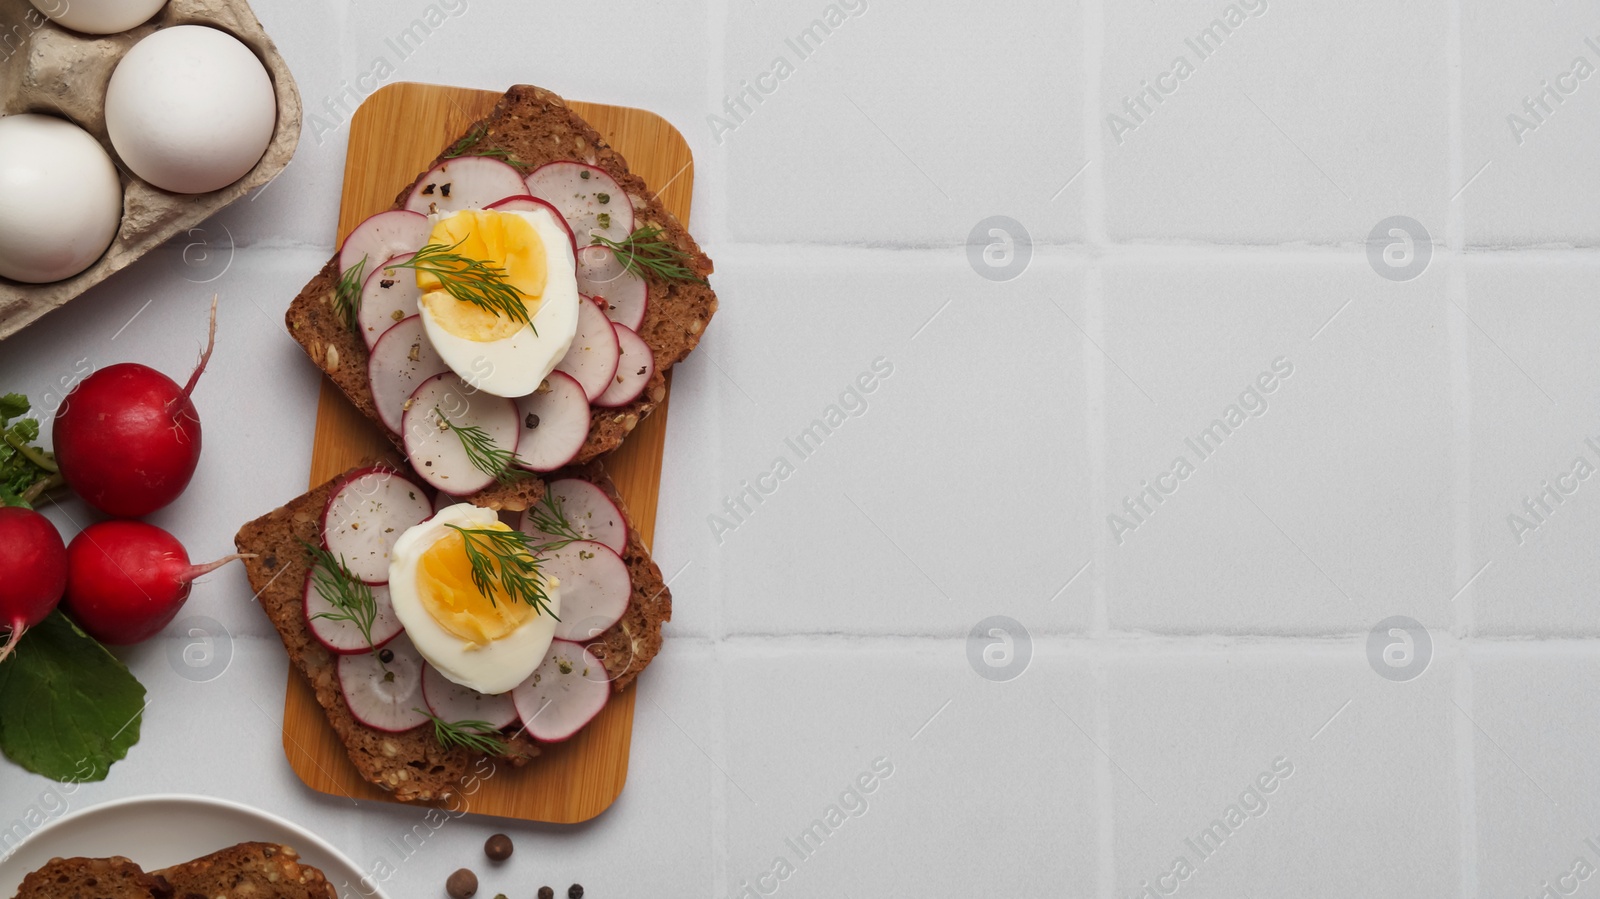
(492, 350)
(485, 641)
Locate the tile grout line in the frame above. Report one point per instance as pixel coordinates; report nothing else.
(1461, 417)
(1096, 412)
(1104, 781)
(1094, 185)
(1120, 644)
(1136, 251)
(1466, 766)
(716, 186)
(1096, 421)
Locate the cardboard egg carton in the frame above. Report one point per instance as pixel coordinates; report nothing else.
(55, 71)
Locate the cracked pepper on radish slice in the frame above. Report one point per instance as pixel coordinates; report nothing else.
(400, 362)
(585, 508)
(452, 702)
(595, 588)
(591, 201)
(465, 182)
(634, 368)
(388, 297)
(563, 694)
(555, 424)
(457, 439)
(384, 688)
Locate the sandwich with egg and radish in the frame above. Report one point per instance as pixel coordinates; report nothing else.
(436, 632)
(516, 311)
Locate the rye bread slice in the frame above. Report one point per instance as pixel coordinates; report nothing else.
(93, 878)
(534, 126)
(248, 871)
(412, 765)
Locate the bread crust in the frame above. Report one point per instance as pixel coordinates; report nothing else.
(534, 126)
(248, 871)
(242, 871)
(92, 878)
(412, 765)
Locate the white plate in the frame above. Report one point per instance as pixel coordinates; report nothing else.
(162, 830)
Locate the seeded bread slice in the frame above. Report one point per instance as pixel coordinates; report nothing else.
(535, 126)
(92, 878)
(412, 765)
(248, 871)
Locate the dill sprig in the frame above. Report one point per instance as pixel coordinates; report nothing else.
(351, 599)
(549, 517)
(484, 454)
(506, 557)
(470, 140)
(469, 280)
(477, 736)
(645, 250)
(347, 295)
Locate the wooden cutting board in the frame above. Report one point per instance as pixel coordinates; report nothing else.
(394, 136)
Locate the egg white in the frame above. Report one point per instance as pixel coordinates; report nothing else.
(515, 366)
(495, 667)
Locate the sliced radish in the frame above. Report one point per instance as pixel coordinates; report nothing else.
(563, 694)
(587, 509)
(634, 369)
(452, 702)
(623, 295)
(435, 413)
(384, 688)
(366, 515)
(466, 182)
(344, 637)
(591, 200)
(382, 237)
(595, 588)
(401, 360)
(592, 358)
(534, 204)
(555, 423)
(389, 297)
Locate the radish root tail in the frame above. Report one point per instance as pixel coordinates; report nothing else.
(196, 571)
(17, 630)
(205, 357)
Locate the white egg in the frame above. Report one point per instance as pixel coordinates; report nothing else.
(190, 109)
(515, 366)
(62, 199)
(492, 667)
(99, 16)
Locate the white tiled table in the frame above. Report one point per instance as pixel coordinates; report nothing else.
(1173, 664)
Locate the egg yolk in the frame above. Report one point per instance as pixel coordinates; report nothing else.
(501, 240)
(444, 584)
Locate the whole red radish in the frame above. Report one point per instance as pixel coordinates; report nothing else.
(126, 580)
(33, 571)
(128, 437)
